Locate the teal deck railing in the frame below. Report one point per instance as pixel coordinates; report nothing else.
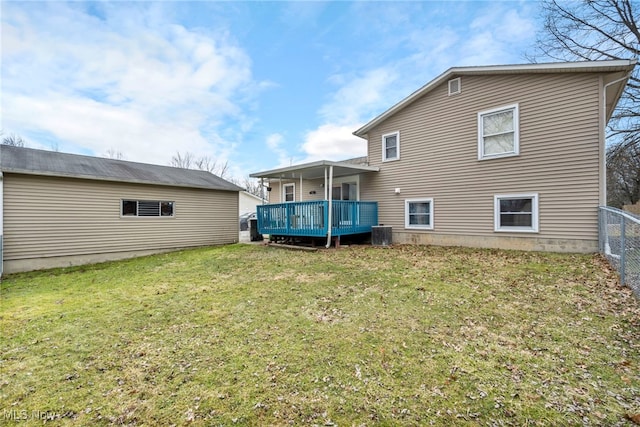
(310, 219)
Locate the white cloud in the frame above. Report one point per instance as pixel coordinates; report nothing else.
(359, 96)
(333, 142)
(275, 142)
(101, 81)
(355, 101)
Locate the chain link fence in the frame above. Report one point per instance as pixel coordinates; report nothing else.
(619, 239)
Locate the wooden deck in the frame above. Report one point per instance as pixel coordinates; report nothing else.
(311, 219)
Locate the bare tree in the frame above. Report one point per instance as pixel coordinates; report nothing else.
(13, 140)
(250, 185)
(623, 174)
(112, 153)
(253, 186)
(594, 30)
(184, 161)
(205, 163)
(188, 160)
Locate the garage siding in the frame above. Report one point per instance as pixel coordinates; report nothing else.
(57, 217)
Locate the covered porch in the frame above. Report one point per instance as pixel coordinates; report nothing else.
(309, 214)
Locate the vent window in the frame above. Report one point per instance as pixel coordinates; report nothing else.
(147, 208)
(455, 86)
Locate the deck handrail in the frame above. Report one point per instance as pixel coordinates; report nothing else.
(310, 218)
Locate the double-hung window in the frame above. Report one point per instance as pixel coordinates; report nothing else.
(418, 213)
(516, 212)
(146, 208)
(498, 132)
(391, 146)
(289, 192)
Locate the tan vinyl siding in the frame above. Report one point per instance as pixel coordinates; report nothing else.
(275, 195)
(559, 120)
(55, 217)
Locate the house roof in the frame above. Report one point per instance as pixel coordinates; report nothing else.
(315, 170)
(52, 163)
(620, 68)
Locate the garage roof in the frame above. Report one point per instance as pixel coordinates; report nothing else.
(53, 163)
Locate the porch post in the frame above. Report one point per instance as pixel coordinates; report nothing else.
(300, 186)
(325, 183)
(329, 214)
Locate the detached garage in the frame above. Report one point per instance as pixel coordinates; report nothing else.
(60, 209)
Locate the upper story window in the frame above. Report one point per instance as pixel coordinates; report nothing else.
(498, 133)
(418, 213)
(516, 212)
(455, 86)
(391, 146)
(146, 208)
(289, 192)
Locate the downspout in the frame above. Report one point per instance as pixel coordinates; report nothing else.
(330, 198)
(603, 202)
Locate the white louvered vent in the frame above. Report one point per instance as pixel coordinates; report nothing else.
(455, 86)
(148, 208)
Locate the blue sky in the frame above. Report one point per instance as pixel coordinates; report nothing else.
(258, 84)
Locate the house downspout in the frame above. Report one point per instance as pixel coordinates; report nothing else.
(603, 202)
(330, 198)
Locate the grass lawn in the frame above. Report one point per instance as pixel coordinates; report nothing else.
(252, 335)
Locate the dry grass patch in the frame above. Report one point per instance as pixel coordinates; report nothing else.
(254, 335)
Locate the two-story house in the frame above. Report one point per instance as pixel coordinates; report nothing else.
(493, 156)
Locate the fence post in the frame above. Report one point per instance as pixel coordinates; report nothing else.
(623, 251)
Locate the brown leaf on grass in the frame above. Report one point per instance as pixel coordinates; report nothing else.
(635, 418)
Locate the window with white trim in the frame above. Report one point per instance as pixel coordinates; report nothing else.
(455, 86)
(391, 146)
(289, 192)
(146, 208)
(498, 132)
(516, 212)
(418, 213)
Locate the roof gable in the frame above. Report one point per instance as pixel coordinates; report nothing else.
(52, 163)
(622, 67)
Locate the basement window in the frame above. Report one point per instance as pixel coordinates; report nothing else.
(418, 213)
(152, 208)
(516, 212)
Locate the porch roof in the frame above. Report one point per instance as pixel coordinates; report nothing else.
(315, 170)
